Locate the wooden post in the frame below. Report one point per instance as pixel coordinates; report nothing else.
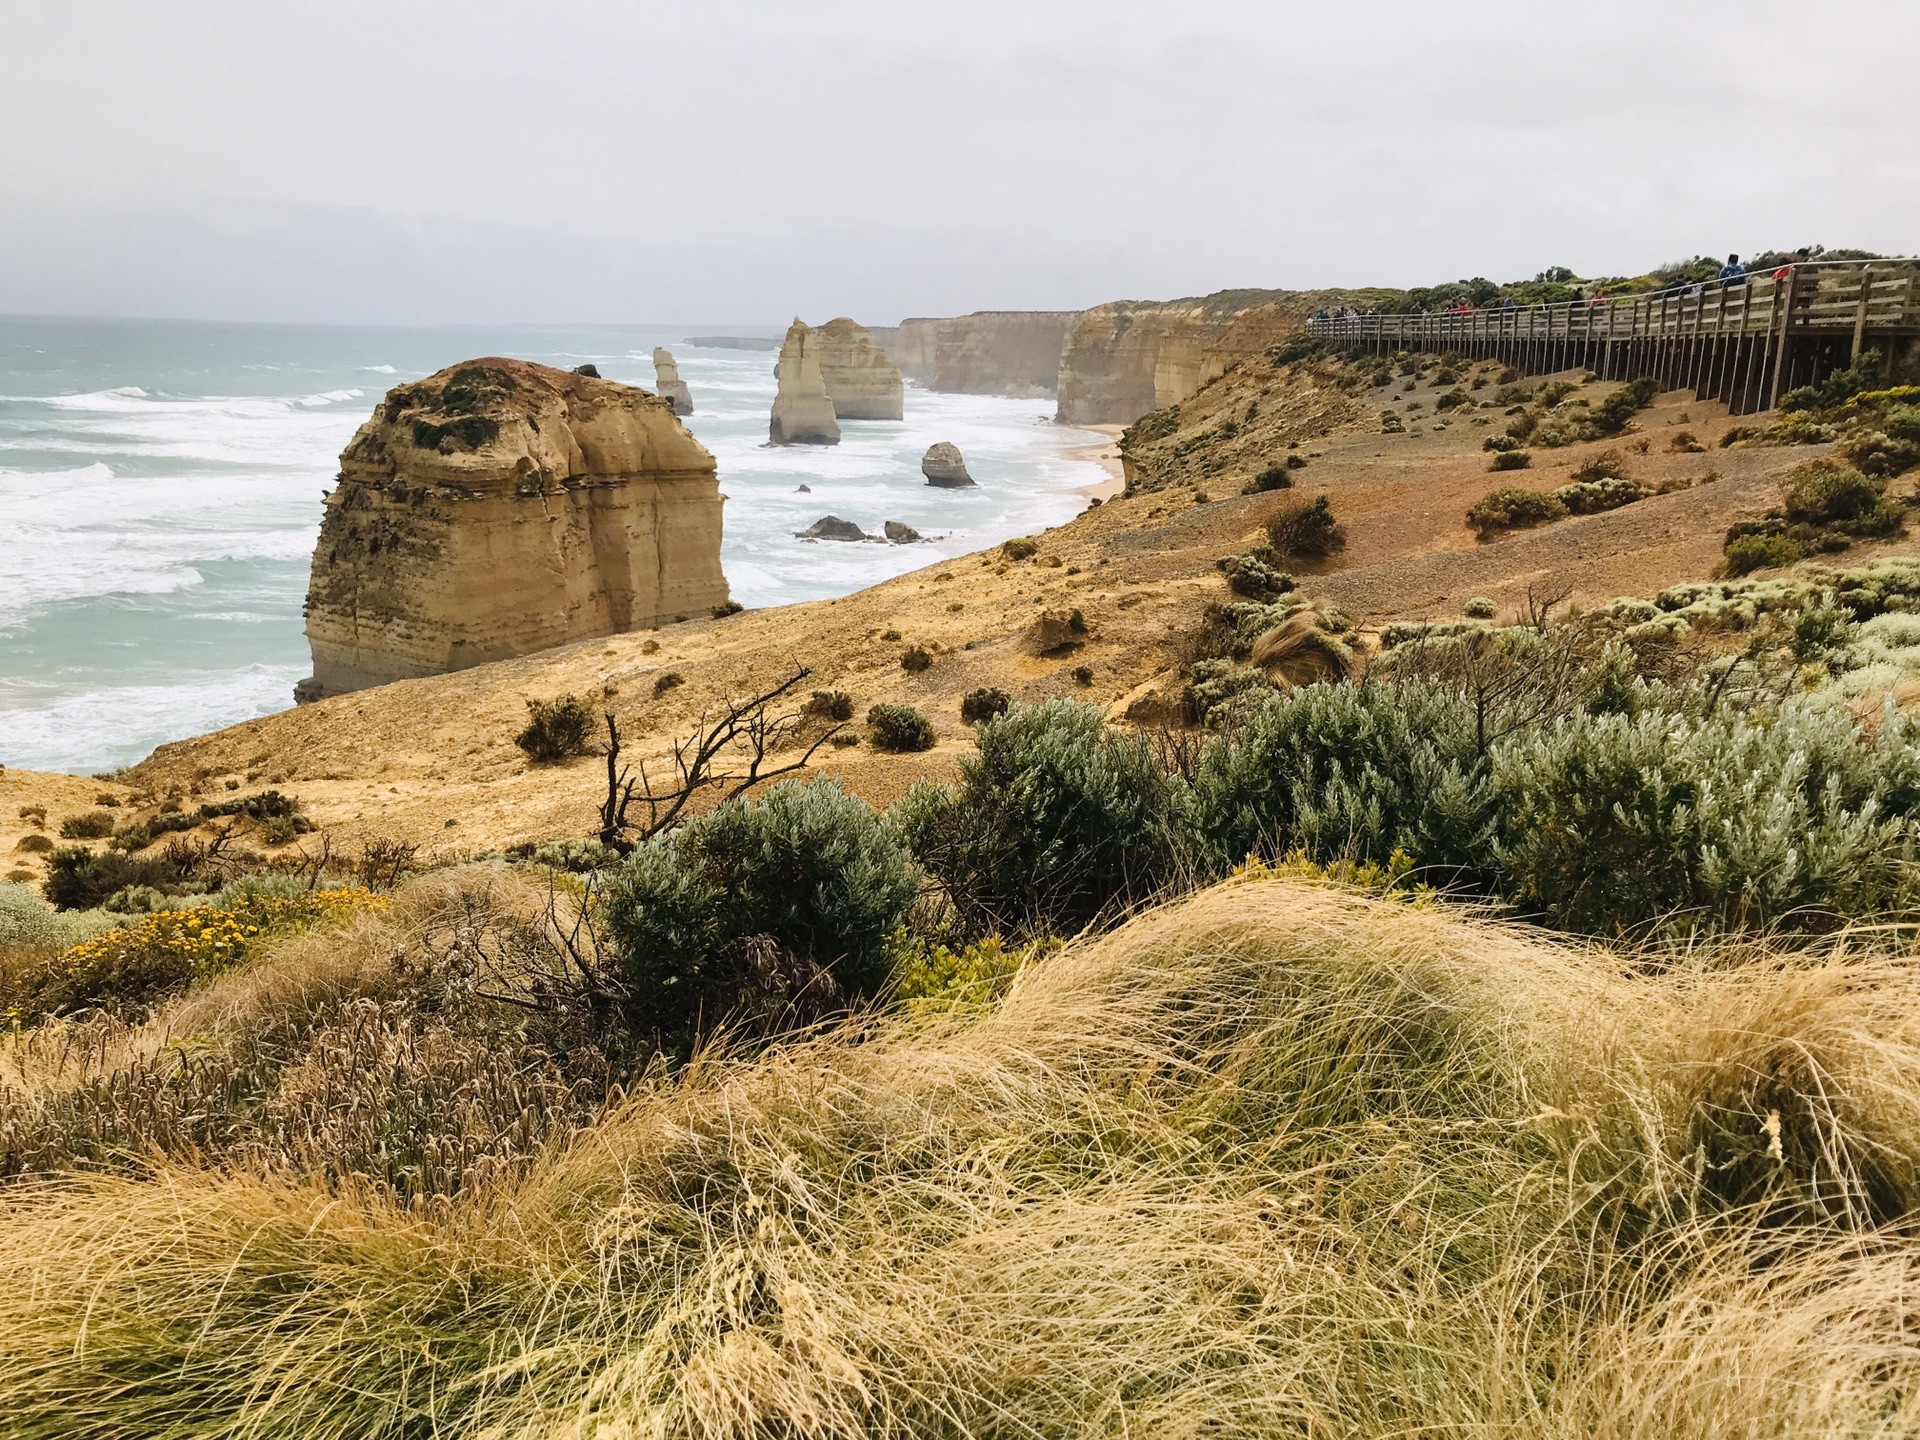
(1860, 314)
(1792, 289)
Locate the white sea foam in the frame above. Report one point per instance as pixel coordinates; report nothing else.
(187, 520)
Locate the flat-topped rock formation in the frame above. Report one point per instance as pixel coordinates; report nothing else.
(943, 466)
(668, 384)
(990, 352)
(861, 378)
(802, 409)
(500, 508)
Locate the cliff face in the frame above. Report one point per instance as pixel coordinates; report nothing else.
(861, 379)
(668, 384)
(499, 508)
(1128, 357)
(990, 352)
(802, 410)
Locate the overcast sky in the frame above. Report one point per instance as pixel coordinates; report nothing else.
(737, 161)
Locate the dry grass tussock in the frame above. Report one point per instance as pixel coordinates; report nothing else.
(1277, 1160)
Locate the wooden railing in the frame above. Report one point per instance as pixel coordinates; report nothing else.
(1742, 341)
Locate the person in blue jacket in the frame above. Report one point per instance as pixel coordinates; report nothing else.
(1733, 272)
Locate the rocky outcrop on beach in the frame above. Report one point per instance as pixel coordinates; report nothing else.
(943, 466)
(990, 352)
(901, 534)
(668, 384)
(502, 507)
(832, 527)
(861, 378)
(802, 409)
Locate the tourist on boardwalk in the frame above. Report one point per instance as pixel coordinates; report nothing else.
(1733, 272)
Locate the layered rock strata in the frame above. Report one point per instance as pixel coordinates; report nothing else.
(943, 466)
(668, 384)
(861, 379)
(1123, 359)
(499, 508)
(990, 352)
(802, 409)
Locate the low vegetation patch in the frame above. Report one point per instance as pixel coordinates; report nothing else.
(1514, 509)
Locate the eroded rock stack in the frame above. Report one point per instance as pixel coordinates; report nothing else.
(943, 466)
(802, 411)
(667, 383)
(861, 378)
(499, 508)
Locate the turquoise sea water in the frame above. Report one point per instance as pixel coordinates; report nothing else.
(160, 488)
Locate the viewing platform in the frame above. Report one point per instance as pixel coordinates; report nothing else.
(1746, 342)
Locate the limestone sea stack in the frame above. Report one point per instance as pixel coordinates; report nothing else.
(499, 508)
(861, 378)
(668, 384)
(943, 466)
(802, 411)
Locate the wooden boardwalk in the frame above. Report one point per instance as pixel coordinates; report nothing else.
(1746, 344)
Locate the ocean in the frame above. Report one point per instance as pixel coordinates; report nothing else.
(160, 487)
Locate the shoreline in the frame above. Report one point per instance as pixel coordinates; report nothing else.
(1106, 454)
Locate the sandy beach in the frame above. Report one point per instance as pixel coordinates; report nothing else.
(1106, 453)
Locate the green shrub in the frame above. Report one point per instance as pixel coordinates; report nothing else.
(1513, 509)
(267, 805)
(829, 705)
(1351, 772)
(1838, 387)
(1510, 460)
(979, 706)
(1875, 453)
(1056, 820)
(1614, 823)
(1306, 529)
(915, 658)
(82, 879)
(1023, 548)
(726, 608)
(1612, 415)
(1453, 399)
(27, 920)
(769, 913)
(87, 825)
(1252, 574)
(1591, 497)
(1825, 493)
(1300, 345)
(1391, 423)
(1271, 477)
(1499, 443)
(1479, 608)
(556, 730)
(900, 729)
(1747, 553)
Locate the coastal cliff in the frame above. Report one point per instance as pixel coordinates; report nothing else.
(1122, 359)
(500, 508)
(668, 384)
(990, 352)
(861, 378)
(802, 409)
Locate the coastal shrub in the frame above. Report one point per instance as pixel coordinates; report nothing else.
(1747, 553)
(915, 659)
(1839, 387)
(1479, 608)
(979, 706)
(1353, 772)
(1252, 574)
(1300, 345)
(772, 913)
(1057, 819)
(133, 965)
(1513, 509)
(1823, 492)
(556, 730)
(1308, 530)
(1499, 443)
(1877, 453)
(27, 920)
(899, 729)
(1615, 823)
(267, 805)
(1607, 465)
(672, 680)
(1453, 399)
(1685, 442)
(1391, 423)
(1271, 477)
(726, 608)
(1591, 497)
(1221, 693)
(1510, 459)
(87, 825)
(1613, 414)
(82, 879)
(828, 705)
(1020, 548)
